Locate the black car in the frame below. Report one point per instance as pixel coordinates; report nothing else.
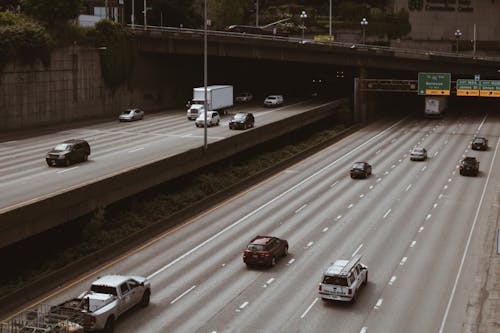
(242, 120)
(469, 166)
(68, 152)
(479, 143)
(361, 170)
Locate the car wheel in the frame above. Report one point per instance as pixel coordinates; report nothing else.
(145, 298)
(354, 297)
(110, 325)
(67, 162)
(285, 251)
(85, 157)
(273, 261)
(366, 279)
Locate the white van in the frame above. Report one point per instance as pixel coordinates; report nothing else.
(213, 119)
(343, 279)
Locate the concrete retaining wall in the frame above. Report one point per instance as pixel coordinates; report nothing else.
(70, 88)
(23, 222)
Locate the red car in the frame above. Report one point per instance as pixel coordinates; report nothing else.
(265, 250)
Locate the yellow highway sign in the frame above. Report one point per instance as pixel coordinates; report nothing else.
(467, 92)
(437, 92)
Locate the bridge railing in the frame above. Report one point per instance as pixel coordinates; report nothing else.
(350, 45)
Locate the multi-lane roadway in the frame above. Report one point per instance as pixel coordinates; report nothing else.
(421, 227)
(116, 147)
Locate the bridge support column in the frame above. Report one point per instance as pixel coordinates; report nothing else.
(360, 98)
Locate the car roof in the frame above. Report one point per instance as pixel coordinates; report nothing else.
(261, 240)
(74, 141)
(343, 267)
(479, 138)
(111, 280)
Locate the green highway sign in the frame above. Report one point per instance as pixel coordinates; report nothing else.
(468, 87)
(490, 88)
(434, 83)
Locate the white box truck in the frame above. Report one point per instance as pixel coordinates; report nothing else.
(219, 98)
(435, 106)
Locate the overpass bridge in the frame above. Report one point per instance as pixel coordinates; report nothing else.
(377, 69)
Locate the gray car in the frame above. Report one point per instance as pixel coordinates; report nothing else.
(131, 115)
(418, 154)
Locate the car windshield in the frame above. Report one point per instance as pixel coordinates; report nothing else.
(335, 280)
(478, 140)
(256, 247)
(239, 116)
(272, 97)
(418, 151)
(358, 165)
(127, 112)
(62, 147)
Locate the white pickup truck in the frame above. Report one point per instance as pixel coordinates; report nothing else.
(108, 298)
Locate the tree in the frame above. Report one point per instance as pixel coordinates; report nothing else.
(53, 11)
(174, 13)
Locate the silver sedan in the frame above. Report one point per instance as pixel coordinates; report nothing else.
(131, 115)
(418, 154)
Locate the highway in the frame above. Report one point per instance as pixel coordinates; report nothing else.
(420, 227)
(116, 147)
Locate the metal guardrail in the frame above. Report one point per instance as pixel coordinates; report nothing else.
(349, 45)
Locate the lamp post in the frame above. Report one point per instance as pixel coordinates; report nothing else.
(364, 23)
(205, 74)
(330, 22)
(457, 34)
(303, 16)
(257, 13)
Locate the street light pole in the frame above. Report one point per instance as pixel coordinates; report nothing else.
(205, 79)
(457, 34)
(303, 16)
(257, 13)
(330, 25)
(364, 23)
(145, 9)
(132, 19)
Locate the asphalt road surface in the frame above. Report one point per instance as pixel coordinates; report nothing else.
(420, 227)
(25, 176)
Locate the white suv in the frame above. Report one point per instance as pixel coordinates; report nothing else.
(273, 100)
(342, 280)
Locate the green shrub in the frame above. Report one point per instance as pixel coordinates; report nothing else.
(23, 39)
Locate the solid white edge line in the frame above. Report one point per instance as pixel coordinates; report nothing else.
(452, 295)
(278, 197)
(309, 308)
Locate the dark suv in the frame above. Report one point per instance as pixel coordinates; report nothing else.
(242, 120)
(469, 166)
(361, 170)
(68, 152)
(479, 143)
(265, 250)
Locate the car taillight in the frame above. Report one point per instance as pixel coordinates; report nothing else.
(349, 291)
(320, 287)
(246, 252)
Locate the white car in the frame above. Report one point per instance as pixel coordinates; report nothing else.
(131, 115)
(244, 97)
(418, 154)
(213, 119)
(343, 279)
(273, 100)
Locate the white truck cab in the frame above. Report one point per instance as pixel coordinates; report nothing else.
(343, 279)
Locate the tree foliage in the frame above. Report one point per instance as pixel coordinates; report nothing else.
(175, 13)
(22, 38)
(116, 45)
(52, 11)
